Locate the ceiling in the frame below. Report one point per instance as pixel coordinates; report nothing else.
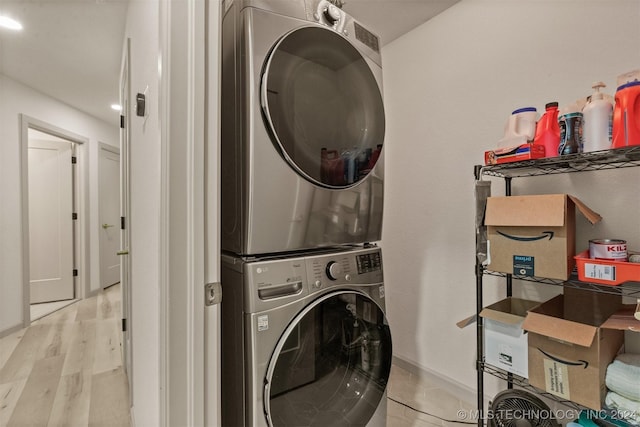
(71, 49)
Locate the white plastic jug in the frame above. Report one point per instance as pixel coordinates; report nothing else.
(520, 128)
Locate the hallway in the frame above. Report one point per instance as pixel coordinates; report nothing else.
(66, 369)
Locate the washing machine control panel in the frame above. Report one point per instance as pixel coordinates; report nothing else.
(360, 267)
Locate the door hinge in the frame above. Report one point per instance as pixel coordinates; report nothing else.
(122, 223)
(74, 160)
(74, 216)
(212, 294)
(75, 272)
(121, 121)
(124, 325)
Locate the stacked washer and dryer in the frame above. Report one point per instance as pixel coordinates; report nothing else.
(305, 340)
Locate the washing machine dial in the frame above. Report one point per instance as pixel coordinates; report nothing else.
(332, 14)
(334, 270)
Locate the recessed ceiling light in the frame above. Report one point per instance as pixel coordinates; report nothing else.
(116, 107)
(9, 23)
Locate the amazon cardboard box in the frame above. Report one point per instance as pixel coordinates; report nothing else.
(534, 235)
(570, 348)
(505, 342)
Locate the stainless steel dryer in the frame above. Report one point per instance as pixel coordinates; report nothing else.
(302, 127)
(305, 340)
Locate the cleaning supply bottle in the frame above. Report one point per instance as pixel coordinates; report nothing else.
(626, 113)
(520, 128)
(548, 130)
(570, 122)
(597, 116)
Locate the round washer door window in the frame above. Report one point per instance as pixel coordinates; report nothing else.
(331, 365)
(323, 107)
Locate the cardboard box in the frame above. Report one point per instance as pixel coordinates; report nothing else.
(528, 151)
(534, 235)
(570, 349)
(505, 342)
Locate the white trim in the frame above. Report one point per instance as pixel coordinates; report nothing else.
(196, 177)
(107, 147)
(212, 376)
(164, 29)
(82, 248)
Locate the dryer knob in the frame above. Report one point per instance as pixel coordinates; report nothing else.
(334, 270)
(332, 14)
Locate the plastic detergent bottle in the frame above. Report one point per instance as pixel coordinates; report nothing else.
(626, 113)
(597, 116)
(520, 128)
(548, 130)
(570, 122)
(349, 158)
(374, 156)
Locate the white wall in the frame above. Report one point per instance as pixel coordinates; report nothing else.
(143, 29)
(449, 87)
(16, 99)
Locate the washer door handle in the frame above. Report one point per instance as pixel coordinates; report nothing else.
(280, 290)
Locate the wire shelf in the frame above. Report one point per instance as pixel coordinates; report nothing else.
(631, 289)
(524, 384)
(581, 162)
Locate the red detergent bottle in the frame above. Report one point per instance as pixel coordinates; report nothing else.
(548, 130)
(626, 112)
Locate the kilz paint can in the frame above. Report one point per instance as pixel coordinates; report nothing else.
(608, 249)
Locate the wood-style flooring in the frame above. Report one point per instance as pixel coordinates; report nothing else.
(66, 368)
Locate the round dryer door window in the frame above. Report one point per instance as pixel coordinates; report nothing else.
(331, 365)
(322, 104)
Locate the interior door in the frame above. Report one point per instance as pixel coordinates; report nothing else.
(125, 231)
(50, 220)
(109, 202)
(322, 103)
(331, 365)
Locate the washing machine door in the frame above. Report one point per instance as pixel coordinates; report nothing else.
(321, 102)
(331, 365)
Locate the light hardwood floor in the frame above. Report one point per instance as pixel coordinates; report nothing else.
(66, 368)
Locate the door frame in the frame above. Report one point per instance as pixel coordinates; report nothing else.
(125, 212)
(81, 187)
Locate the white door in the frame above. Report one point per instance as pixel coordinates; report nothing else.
(125, 232)
(50, 220)
(109, 200)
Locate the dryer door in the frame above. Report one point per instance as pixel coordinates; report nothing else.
(331, 365)
(321, 101)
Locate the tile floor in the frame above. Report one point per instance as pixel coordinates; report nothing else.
(66, 370)
(432, 405)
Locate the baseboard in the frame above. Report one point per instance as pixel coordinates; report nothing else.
(457, 389)
(11, 330)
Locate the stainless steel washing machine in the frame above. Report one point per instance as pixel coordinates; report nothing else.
(305, 340)
(302, 127)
